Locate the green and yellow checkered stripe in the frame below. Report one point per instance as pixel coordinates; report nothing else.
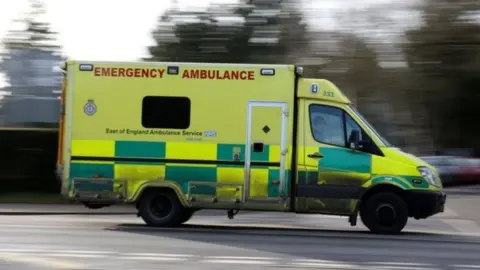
(143, 161)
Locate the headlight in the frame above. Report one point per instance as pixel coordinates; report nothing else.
(429, 176)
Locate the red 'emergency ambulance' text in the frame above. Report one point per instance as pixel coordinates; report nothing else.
(218, 75)
(129, 72)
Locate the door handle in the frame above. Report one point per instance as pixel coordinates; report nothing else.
(315, 155)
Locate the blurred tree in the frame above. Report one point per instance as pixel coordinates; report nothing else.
(276, 29)
(379, 73)
(445, 52)
(34, 33)
(28, 62)
(254, 31)
(363, 76)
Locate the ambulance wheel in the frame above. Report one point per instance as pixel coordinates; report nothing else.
(384, 213)
(160, 208)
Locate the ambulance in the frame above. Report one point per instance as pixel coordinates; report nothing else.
(175, 138)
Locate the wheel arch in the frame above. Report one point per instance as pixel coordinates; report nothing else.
(159, 186)
(382, 187)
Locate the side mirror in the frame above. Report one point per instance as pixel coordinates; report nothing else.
(354, 139)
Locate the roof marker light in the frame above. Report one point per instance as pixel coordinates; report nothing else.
(267, 71)
(85, 67)
(173, 70)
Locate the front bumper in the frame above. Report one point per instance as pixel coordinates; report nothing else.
(423, 204)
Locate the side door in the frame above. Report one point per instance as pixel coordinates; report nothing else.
(335, 171)
(265, 153)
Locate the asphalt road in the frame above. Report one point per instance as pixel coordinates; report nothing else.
(206, 248)
(120, 242)
(254, 241)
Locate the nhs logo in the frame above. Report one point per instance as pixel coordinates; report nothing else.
(210, 133)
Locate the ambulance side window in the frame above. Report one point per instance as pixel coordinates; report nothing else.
(328, 125)
(166, 112)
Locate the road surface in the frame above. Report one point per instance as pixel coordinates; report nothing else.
(250, 241)
(123, 242)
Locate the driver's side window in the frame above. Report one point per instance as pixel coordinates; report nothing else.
(327, 125)
(333, 126)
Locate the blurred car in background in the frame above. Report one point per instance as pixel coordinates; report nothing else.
(470, 169)
(455, 170)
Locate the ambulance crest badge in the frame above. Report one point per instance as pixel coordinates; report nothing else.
(90, 108)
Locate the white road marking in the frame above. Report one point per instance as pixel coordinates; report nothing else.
(66, 226)
(463, 225)
(466, 266)
(401, 263)
(85, 252)
(43, 262)
(312, 260)
(324, 264)
(240, 258)
(19, 250)
(159, 255)
(72, 255)
(389, 267)
(225, 261)
(152, 258)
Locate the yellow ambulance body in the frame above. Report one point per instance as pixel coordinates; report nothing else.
(174, 138)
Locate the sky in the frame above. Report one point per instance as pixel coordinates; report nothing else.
(98, 29)
(120, 30)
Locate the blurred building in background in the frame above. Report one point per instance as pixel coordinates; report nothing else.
(29, 107)
(33, 94)
(29, 63)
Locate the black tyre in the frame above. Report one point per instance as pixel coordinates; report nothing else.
(384, 213)
(160, 208)
(186, 215)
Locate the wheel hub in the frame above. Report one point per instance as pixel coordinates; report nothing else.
(385, 214)
(160, 207)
